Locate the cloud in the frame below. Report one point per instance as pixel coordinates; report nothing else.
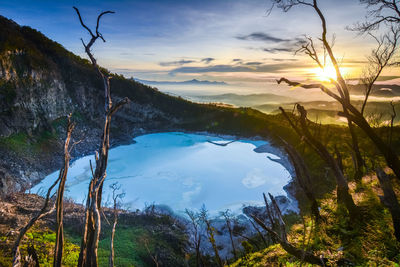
(288, 46)
(260, 36)
(278, 49)
(234, 68)
(253, 63)
(284, 59)
(176, 63)
(207, 60)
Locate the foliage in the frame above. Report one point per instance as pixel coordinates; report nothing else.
(368, 243)
(43, 241)
(165, 237)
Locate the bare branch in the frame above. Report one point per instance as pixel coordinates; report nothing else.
(45, 210)
(282, 239)
(311, 86)
(83, 24)
(381, 57)
(380, 12)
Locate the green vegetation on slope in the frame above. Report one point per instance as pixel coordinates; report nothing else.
(368, 243)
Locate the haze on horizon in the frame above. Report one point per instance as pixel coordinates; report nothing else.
(237, 42)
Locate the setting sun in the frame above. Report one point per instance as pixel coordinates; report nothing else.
(327, 73)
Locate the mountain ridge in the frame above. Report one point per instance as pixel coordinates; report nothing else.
(188, 82)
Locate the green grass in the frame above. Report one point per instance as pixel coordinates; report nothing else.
(369, 242)
(128, 250)
(43, 241)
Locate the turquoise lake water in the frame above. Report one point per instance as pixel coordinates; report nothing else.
(182, 171)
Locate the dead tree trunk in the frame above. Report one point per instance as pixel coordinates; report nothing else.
(115, 196)
(45, 210)
(382, 56)
(211, 238)
(210, 232)
(339, 158)
(111, 258)
(388, 152)
(58, 250)
(228, 220)
(90, 238)
(280, 235)
(260, 234)
(358, 160)
(389, 199)
(343, 194)
(303, 178)
(42, 213)
(196, 233)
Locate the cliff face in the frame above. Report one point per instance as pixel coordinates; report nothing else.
(40, 83)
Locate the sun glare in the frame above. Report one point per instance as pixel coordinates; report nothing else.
(325, 74)
(328, 73)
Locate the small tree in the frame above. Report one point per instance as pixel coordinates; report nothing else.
(343, 194)
(58, 248)
(47, 207)
(277, 229)
(196, 229)
(116, 197)
(211, 234)
(379, 12)
(229, 219)
(92, 226)
(303, 177)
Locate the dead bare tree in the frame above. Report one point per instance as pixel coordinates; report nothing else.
(277, 229)
(303, 177)
(390, 200)
(343, 94)
(228, 221)
(47, 208)
(92, 227)
(308, 47)
(196, 234)
(343, 194)
(379, 12)
(381, 57)
(211, 234)
(238, 231)
(58, 249)
(259, 233)
(116, 197)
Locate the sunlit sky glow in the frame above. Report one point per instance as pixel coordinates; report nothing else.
(221, 40)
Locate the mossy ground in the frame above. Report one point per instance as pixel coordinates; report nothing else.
(369, 241)
(43, 240)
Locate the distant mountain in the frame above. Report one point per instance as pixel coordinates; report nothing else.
(250, 100)
(189, 82)
(383, 90)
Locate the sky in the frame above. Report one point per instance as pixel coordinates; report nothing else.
(218, 40)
